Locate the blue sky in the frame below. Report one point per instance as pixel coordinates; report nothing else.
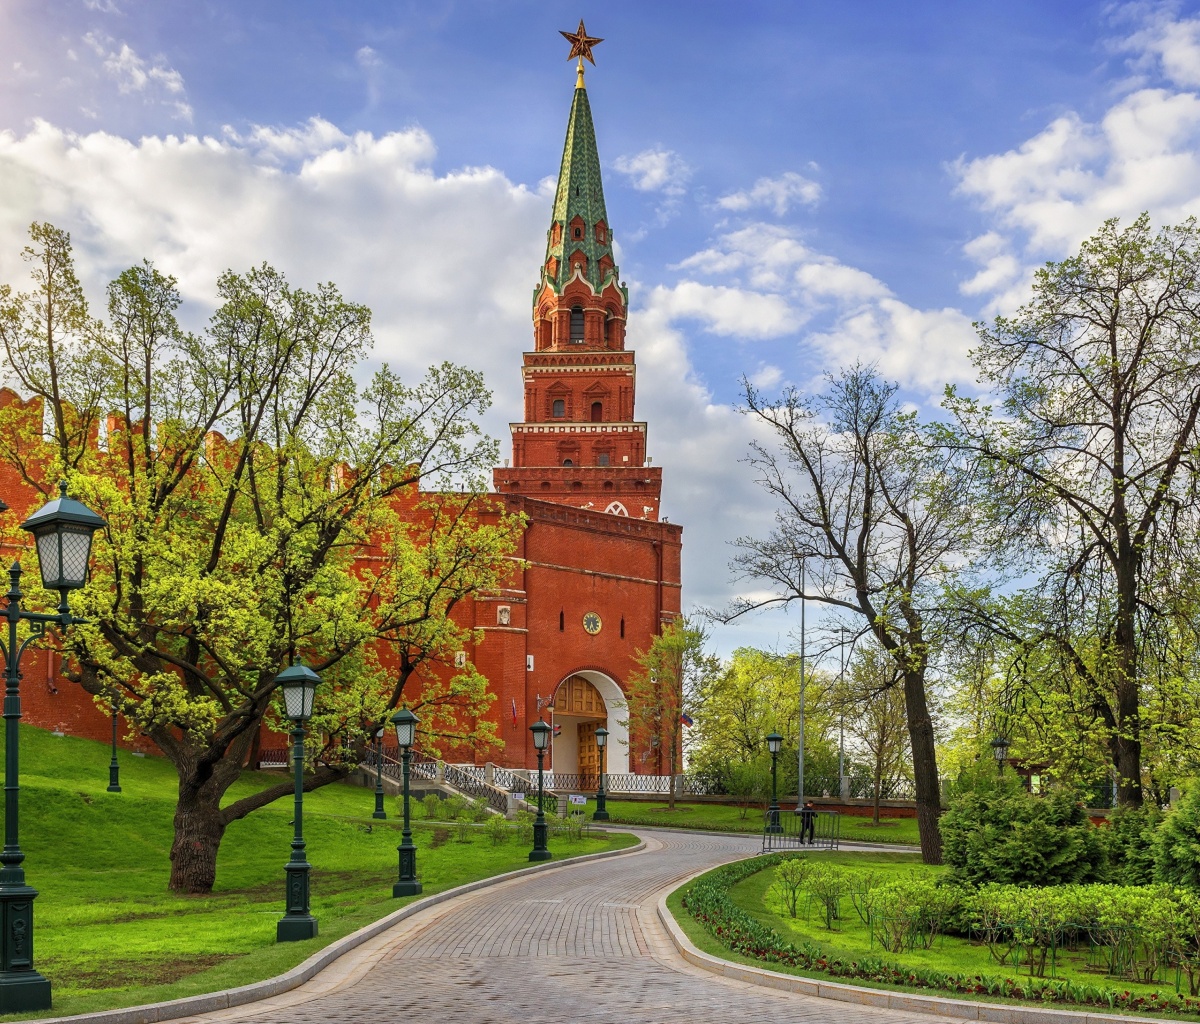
(792, 185)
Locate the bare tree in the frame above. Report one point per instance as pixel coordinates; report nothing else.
(869, 520)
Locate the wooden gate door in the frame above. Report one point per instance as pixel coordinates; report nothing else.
(589, 755)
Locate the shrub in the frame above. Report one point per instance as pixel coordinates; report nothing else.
(497, 829)
(995, 831)
(432, 806)
(790, 878)
(524, 821)
(1177, 842)
(827, 885)
(1128, 843)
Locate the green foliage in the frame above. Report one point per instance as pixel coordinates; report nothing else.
(432, 807)
(791, 880)
(995, 831)
(827, 884)
(497, 829)
(1177, 842)
(1128, 843)
(1028, 920)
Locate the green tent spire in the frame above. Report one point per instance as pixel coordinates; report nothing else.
(580, 223)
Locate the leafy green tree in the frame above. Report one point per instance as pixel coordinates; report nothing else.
(873, 704)
(673, 676)
(870, 520)
(1087, 467)
(242, 474)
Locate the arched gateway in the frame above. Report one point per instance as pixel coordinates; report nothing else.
(583, 702)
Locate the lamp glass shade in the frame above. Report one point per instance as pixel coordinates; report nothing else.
(601, 737)
(380, 731)
(541, 735)
(774, 742)
(62, 530)
(406, 727)
(299, 685)
(1000, 748)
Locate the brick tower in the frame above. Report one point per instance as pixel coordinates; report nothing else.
(579, 443)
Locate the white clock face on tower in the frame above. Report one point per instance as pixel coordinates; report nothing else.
(592, 623)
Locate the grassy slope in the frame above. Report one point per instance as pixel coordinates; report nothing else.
(108, 932)
(728, 818)
(852, 939)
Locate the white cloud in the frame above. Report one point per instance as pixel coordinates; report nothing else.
(1046, 195)
(733, 312)
(103, 6)
(766, 377)
(775, 194)
(655, 170)
(134, 75)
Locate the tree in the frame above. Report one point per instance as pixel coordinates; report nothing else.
(870, 520)
(874, 701)
(256, 502)
(756, 693)
(671, 680)
(1088, 468)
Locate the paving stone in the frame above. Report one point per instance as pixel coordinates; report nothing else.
(581, 944)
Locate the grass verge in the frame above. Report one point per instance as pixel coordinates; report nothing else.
(728, 818)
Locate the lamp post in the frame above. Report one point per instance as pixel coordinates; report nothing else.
(62, 530)
(602, 746)
(379, 811)
(114, 769)
(406, 733)
(541, 739)
(774, 742)
(299, 684)
(1000, 751)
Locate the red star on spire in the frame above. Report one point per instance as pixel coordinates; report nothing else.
(581, 43)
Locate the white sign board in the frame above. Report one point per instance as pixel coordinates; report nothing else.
(574, 798)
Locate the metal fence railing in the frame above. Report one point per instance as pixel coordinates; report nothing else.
(801, 829)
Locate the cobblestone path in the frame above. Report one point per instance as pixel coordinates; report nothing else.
(582, 944)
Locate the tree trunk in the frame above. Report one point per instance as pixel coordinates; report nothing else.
(198, 831)
(925, 774)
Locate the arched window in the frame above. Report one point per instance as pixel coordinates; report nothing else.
(579, 232)
(577, 323)
(597, 412)
(602, 459)
(568, 462)
(559, 408)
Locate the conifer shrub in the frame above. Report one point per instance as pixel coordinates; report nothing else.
(996, 831)
(1177, 842)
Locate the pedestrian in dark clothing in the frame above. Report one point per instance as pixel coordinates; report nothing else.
(808, 822)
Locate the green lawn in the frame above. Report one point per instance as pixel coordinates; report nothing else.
(726, 818)
(851, 938)
(108, 932)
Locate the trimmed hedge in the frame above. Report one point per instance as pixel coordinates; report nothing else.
(707, 901)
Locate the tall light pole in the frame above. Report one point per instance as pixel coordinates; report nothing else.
(299, 685)
(800, 752)
(406, 735)
(114, 769)
(379, 811)
(774, 742)
(541, 739)
(842, 631)
(601, 813)
(62, 530)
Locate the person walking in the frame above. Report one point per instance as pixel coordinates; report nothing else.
(808, 822)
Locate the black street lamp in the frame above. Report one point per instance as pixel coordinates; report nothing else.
(406, 733)
(379, 811)
(62, 530)
(114, 769)
(541, 740)
(299, 684)
(774, 742)
(601, 813)
(1000, 751)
